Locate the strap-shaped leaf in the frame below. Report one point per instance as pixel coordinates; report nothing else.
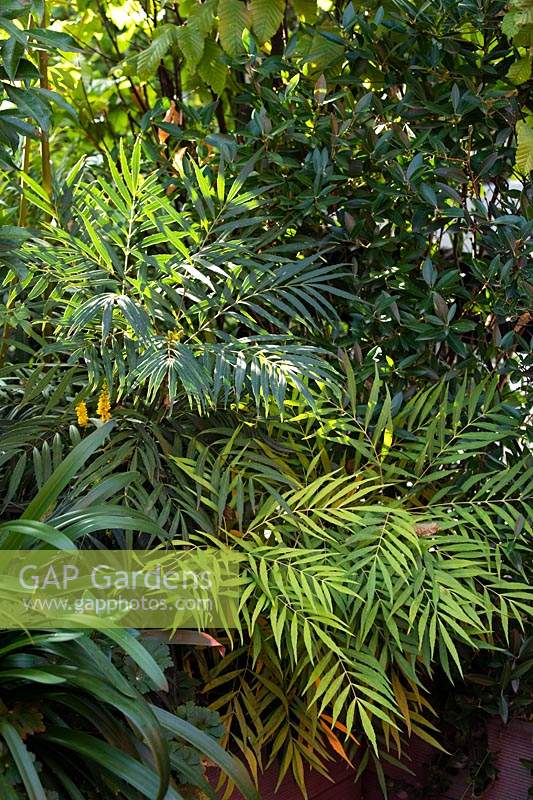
(123, 766)
(46, 498)
(207, 745)
(23, 760)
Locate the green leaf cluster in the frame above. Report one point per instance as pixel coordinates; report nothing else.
(70, 720)
(25, 107)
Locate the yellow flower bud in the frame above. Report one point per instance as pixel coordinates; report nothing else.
(82, 415)
(103, 409)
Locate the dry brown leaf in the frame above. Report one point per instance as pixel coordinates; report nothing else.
(173, 117)
(523, 321)
(427, 529)
(335, 742)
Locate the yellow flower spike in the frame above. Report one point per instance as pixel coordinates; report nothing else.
(82, 415)
(103, 409)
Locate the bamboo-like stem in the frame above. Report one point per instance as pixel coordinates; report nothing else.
(23, 208)
(5, 333)
(46, 168)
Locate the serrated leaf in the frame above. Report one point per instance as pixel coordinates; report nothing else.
(212, 68)
(232, 20)
(520, 71)
(148, 60)
(203, 14)
(368, 727)
(511, 23)
(191, 43)
(267, 16)
(524, 149)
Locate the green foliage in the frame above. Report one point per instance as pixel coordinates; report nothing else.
(233, 19)
(178, 304)
(378, 538)
(266, 18)
(517, 24)
(25, 107)
(62, 692)
(524, 150)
